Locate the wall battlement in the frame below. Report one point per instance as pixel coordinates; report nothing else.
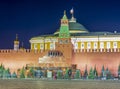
(96, 50)
(17, 59)
(20, 51)
(41, 51)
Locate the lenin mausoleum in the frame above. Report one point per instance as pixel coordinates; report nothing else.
(72, 45)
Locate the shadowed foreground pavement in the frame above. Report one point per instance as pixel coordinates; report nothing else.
(58, 84)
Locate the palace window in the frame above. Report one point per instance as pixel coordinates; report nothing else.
(51, 46)
(82, 45)
(95, 45)
(76, 45)
(35, 46)
(101, 45)
(41, 46)
(114, 44)
(88, 45)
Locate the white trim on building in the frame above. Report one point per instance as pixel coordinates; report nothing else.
(108, 45)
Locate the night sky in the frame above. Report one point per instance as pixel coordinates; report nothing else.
(30, 18)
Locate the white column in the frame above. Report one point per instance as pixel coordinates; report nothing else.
(54, 45)
(115, 46)
(108, 46)
(101, 46)
(35, 46)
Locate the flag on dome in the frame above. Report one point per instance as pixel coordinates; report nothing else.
(72, 11)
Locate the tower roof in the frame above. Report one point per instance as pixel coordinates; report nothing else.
(74, 26)
(64, 16)
(64, 28)
(16, 39)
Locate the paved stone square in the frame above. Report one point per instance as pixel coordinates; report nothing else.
(58, 84)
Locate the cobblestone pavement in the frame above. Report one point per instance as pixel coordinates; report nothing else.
(58, 84)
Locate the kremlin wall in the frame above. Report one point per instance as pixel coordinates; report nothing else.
(16, 60)
(110, 60)
(74, 53)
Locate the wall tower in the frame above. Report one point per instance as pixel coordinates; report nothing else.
(16, 43)
(64, 40)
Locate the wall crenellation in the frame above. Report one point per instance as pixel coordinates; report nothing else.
(20, 51)
(41, 51)
(96, 50)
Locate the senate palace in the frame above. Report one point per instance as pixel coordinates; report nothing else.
(80, 37)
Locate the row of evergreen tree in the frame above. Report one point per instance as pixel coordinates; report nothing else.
(93, 74)
(33, 73)
(5, 73)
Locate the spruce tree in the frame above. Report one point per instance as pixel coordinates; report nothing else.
(5, 73)
(22, 73)
(119, 71)
(91, 74)
(8, 73)
(14, 75)
(77, 74)
(31, 73)
(66, 76)
(95, 72)
(59, 74)
(1, 70)
(108, 74)
(85, 73)
(102, 71)
(0, 66)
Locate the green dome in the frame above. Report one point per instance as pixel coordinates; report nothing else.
(75, 27)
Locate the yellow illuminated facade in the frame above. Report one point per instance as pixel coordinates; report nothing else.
(81, 38)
